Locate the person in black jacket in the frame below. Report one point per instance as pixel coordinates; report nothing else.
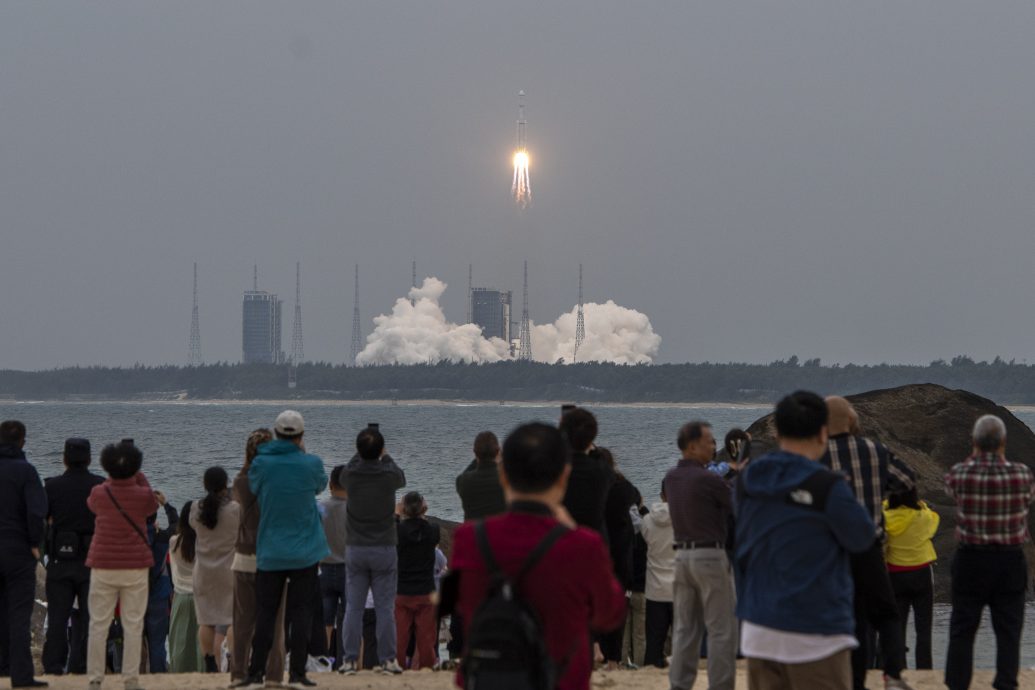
(591, 473)
(23, 509)
(479, 484)
(620, 498)
(414, 605)
(68, 578)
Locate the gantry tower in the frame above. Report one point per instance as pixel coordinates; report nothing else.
(357, 332)
(525, 347)
(580, 323)
(194, 358)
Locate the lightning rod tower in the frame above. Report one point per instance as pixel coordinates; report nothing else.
(413, 280)
(297, 351)
(580, 323)
(194, 359)
(470, 291)
(357, 333)
(525, 348)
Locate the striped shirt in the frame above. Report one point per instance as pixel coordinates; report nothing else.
(872, 469)
(992, 498)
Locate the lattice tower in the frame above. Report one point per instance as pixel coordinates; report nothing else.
(525, 348)
(357, 329)
(580, 322)
(194, 359)
(297, 350)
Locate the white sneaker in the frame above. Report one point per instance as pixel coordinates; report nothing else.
(390, 668)
(349, 668)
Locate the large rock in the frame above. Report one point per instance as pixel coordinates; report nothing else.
(927, 426)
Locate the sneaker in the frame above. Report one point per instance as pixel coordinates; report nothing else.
(95, 685)
(249, 682)
(390, 668)
(896, 683)
(300, 682)
(349, 668)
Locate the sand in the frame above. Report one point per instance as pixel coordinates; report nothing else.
(645, 679)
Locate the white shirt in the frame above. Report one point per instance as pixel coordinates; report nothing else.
(182, 571)
(656, 528)
(760, 642)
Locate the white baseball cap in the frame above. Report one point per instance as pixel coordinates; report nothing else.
(289, 423)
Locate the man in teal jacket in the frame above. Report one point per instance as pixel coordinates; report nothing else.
(290, 544)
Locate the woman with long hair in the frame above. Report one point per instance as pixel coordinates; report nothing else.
(244, 566)
(910, 555)
(184, 649)
(216, 519)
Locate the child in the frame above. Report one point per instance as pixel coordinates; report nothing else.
(414, 603)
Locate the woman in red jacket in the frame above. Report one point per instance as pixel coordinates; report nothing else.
(119, 559)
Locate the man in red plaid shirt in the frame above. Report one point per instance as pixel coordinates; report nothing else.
(992, 498)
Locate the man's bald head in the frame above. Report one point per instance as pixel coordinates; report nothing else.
(843, 418)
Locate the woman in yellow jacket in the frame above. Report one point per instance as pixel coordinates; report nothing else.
(909, 553)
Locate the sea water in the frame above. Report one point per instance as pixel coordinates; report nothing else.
(430, 441)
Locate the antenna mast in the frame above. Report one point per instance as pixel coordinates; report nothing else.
(194, 359)
(297, 351)
(357, 329)
(255, 278)
(580, 323)
(470, 291)
(525, 348)
(413, 281)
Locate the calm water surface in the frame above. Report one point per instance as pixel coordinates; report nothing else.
(431, 442)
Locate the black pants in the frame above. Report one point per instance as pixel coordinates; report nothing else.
(875, 611)
(66, 582)
(993, 578)
(18, 591)
(914, 589)
(611, 643)
(658, 621)
(269, 587)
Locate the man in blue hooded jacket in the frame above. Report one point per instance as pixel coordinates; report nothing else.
(796, 524)
(290, 544)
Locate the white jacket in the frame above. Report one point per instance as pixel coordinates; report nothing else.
(661, 559)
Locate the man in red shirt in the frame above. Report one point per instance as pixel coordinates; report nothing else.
(571, 587)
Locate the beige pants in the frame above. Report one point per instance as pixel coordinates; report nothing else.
(832, 673)
(128, 588)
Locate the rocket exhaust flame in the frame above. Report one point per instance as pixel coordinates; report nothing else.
(521, 188)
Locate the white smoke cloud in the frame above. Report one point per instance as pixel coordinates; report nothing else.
(418, 333)
(613, 334)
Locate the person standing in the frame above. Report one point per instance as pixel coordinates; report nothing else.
(703, 592)
(332, 568)
(621, 498)
(119, 558)
(160, 587)
(478, 486)
(796, 524)
(414, 603)
(184, 646)
(216, 519)
(661, 573)
(910, 526)
(68, 578)
(290, 545)
(244, 567)
(993, 497)
(872, 470)
(591, 474)
(23, 509)
(371, 480)
(570, 585)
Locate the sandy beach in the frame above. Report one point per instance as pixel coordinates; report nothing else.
(645, 679)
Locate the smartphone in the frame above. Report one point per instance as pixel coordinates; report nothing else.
(373, 425)
(565, 409)
(127, 441)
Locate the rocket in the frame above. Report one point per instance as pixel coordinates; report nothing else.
(521, 121)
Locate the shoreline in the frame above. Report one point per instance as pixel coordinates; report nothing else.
(416, 402)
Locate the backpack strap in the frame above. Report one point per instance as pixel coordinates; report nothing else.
(540, 550)
(481, 536)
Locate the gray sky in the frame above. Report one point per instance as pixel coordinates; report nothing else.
(851, 181)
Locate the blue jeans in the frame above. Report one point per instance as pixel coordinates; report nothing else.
(156, 630)
(376, 569)
(332, 591)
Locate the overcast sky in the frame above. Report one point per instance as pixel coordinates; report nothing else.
(850, 181)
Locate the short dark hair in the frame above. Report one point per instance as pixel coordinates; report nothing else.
(370, 443)
(580, 426)
(12, 433)
(534, 457)
(802, 414)
(413, 504)
(77, 452)
(486, 446)
(690, 432)
(122, 460)
(336, 477)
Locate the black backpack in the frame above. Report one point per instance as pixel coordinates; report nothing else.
(505, 647)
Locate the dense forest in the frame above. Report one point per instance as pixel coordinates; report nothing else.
(1006, 382)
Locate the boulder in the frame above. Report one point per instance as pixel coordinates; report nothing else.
(927, 426)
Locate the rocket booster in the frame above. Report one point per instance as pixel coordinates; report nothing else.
(521, 144)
